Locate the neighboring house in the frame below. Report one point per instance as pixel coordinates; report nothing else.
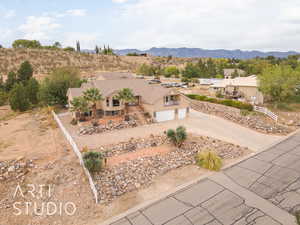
(160, 103)
(209, 81)
(228, 73)
(245, 88)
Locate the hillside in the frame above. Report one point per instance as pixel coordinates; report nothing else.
(198, 52)
(44, 61)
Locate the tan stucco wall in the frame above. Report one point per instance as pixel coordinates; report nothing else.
(160, 106)
(252, 91)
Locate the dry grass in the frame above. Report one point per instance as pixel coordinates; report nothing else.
(8, 116)
(4, 145)
(44, 61)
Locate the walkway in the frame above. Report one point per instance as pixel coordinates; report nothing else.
(198, 123)
(263, 190)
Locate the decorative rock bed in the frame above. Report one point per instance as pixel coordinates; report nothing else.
(89, 130)
(254, 121)
(131, 175)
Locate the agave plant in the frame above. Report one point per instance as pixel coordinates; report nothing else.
(209, 160)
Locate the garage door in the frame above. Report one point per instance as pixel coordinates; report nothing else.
(181, 113)
(165, 115)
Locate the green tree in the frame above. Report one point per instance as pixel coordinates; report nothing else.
(69, 49)
(79, 105)
(191, 70)
(18, 100)
(10, 81)
(77, 46)
(22, 43)
(177, 136)
(279, 83)
(3, 97)
(25, 72)
(170, 71)
(57, 44)
(126, 96)
(235, 74)
(97, 51)
(53, 89)
(209, 160)
(32, 89)
(92, 96)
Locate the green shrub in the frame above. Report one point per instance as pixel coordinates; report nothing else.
(227, 102)
(209, 160)
(177, 136)
(93, 161)
(298, 217)
(245, 112)
(3, 98)
(18, 99)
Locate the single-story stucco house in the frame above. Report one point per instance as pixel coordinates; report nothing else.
(228, 73)
(162, 104)
(245, 88)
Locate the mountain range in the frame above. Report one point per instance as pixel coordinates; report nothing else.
(199, 52)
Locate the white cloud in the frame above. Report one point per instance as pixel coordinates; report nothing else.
(119, 1)
(76, 12)
(39, 28)
(9, 14)
(245, 24)
(87, 40)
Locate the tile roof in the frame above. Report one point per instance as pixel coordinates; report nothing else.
(150, 92)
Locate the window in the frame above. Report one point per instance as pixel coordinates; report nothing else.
(154, 114)
(107, 102)
(116, 102)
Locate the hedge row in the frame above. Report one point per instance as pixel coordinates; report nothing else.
(227, 102)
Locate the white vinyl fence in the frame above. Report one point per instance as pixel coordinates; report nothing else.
(78, 153)
(266, 112)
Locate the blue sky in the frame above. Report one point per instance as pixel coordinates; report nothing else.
(212, 24)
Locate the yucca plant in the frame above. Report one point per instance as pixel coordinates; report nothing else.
(209, 160)
(93, 161)
(177, 136)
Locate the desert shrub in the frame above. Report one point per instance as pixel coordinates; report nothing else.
(3, 97)
(219, 95)
(245, 112)
(226, 102)
(298, 217)
(18, 99)
(93, 161)
(177, 136)
(209, 160)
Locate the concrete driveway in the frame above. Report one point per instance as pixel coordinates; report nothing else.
(198, 123)
(262, 190)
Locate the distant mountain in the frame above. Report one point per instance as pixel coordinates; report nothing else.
(198, 52)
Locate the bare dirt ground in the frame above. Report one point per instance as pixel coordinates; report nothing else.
(29, 135)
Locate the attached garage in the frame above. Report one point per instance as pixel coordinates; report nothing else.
(164, 115)
(182, 113)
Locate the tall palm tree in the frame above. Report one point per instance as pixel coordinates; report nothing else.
(126, 95)
(79, 105)
(92, 96)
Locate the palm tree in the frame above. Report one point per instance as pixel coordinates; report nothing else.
(79, 105)
(92, 96)
(177, 136)
(126, 95)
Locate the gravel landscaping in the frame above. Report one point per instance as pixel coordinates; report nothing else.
(253, 120)
(128, 176)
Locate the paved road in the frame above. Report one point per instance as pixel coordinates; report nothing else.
(261, 190)
(198, 123)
